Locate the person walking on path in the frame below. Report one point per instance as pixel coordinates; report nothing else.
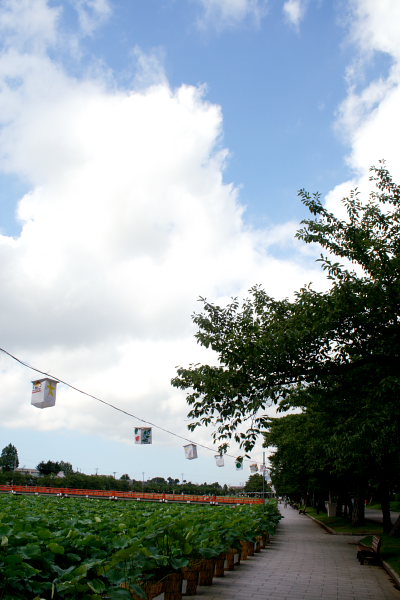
(303, 562)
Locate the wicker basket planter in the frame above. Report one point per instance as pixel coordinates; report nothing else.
(173, 586)
(244, 551)
(265, 538)
(207, 570)
(150, 588)
(230, 559)
(237, 557)
(219, 565)
(191, 575)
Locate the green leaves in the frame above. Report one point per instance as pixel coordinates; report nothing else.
(56, 548)
(62, 557)
(334, 355)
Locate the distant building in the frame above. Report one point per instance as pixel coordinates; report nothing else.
(31, 472)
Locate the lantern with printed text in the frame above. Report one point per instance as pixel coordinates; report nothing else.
(44, 393)
(143, 435)
(190, 451)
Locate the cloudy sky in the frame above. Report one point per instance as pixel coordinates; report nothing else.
(150, 153)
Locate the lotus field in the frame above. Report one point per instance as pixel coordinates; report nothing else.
(53, 548)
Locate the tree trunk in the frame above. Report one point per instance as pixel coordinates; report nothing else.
(385, 505)
(358, 516)
(349, 507)
(395, 531)
(339, 506)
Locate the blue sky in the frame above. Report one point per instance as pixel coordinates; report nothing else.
(151, 153)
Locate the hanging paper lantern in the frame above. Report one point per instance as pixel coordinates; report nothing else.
(253, 468)
(190, 451)
(219, 460)
(44, 393)
(239, 463)
(143, 435)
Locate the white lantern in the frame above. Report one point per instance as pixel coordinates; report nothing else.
(219, 460)
(44, 393)
(190, 451)
(143, 435)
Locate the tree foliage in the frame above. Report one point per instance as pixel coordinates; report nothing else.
(49, 467)
(9, 458)
(333, 355)
(256, 483)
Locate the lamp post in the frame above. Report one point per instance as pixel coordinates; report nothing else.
(263, 476)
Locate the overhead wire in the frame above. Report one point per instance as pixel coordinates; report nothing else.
(121, 410)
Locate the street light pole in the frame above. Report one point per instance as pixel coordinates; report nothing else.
(263, 476)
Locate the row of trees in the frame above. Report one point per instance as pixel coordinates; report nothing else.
(108, 482)
(50, 470)
(330, 360)
(9, 461)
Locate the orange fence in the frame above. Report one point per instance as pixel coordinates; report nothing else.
(35, 489)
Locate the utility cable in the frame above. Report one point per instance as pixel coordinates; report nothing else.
(121, 410)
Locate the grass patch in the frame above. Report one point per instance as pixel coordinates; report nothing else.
(390, 550)
(343, 525)
(394, 506)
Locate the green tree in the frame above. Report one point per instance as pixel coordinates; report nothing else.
(65, 467)
(9, 458)
(172, 481)
(299, 457)
(49, 467)
(159, 480)
(256, 483)
(337, 349)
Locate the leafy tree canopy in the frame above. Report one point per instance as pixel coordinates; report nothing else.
(320, 347)
(256, 483)
(48, 467)
(9, 458)
(65, 467)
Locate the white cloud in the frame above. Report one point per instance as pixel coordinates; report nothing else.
(227, 13)
(294, 11)
(127, 222)
(91, 14)
(374, 26)
(368, 117)
(29, 25)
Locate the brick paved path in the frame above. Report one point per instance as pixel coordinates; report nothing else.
(303, 562)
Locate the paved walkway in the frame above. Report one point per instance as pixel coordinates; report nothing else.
(303, 562)
(373, 514)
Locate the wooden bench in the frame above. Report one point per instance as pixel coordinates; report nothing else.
(372, 552)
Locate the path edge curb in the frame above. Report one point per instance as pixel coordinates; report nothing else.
(393, 574)
(333, 532)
